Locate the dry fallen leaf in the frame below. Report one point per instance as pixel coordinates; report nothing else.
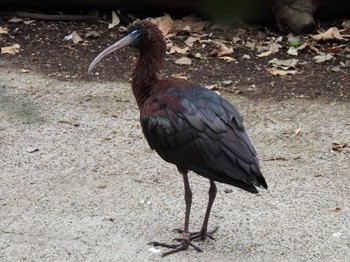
(227, 58)
(236, 39)
(164, 23)
(222, 51)
(32, 149)
(292, 51)
(16, 20)
(12, 50)
(214, 88)
(308, 44)
(345, 64)
(278, 72)
(266, 53)
(211, 87)
(28, 22)
(346, 25)
(24, 71)
(284, 64)
(115, 20)
(191, 40)
(337, 209)
(4, 30)
(179, 50)
(74, 37)
(334, 49)
(183, 61)
(331, 34)
(336, 69)
(322, 57)
(180, 76)
(297, 132)
(336, 147)
(92, 34)
(271, 48)
(250, 45)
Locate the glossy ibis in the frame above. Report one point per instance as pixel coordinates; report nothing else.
(188, 126)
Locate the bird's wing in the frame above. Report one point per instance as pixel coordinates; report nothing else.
(196, 129)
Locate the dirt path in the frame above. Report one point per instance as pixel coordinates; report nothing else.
(93, 191)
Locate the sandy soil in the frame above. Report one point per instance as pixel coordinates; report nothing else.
(79, 183)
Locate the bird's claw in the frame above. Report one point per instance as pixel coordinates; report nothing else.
(202, 235)
(185, 243)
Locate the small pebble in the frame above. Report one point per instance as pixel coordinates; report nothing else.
(226, 82)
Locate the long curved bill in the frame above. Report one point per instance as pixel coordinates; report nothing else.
(125, 41)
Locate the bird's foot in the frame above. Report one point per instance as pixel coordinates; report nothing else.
(185, 243)
(201, 235)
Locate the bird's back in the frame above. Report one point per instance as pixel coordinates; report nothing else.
(196, 129)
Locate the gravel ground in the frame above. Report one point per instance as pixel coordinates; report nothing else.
(79, 183)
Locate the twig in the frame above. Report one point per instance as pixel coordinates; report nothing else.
(37, 16)
(273, 158)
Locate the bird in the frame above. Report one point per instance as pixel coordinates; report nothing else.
(189, 126)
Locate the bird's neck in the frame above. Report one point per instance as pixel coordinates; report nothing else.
(145, 73)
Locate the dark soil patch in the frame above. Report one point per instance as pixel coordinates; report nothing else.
(43, 49)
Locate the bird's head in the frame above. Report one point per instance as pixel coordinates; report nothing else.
(141, 35)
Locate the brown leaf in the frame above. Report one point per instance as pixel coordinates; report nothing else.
(92, 34)
(336, 147)
(266, 53)
(24, 71)
(222, 51)
(4, 30)
(271, 48)
(337, 209)
(191, 40)
(308, 44)
(331, 34)
(76, 38)
(297, 132)
(176, 49)
(28, 22)
(334, 49)
(183, 61)
(214, 88)
(164, 23)
(278, 72)
(32, 149)
(12, 50)
(180, 76)
(227, 58)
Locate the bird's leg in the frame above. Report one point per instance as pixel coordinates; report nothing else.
(185, 237)
(203, 233)
(188, 202)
